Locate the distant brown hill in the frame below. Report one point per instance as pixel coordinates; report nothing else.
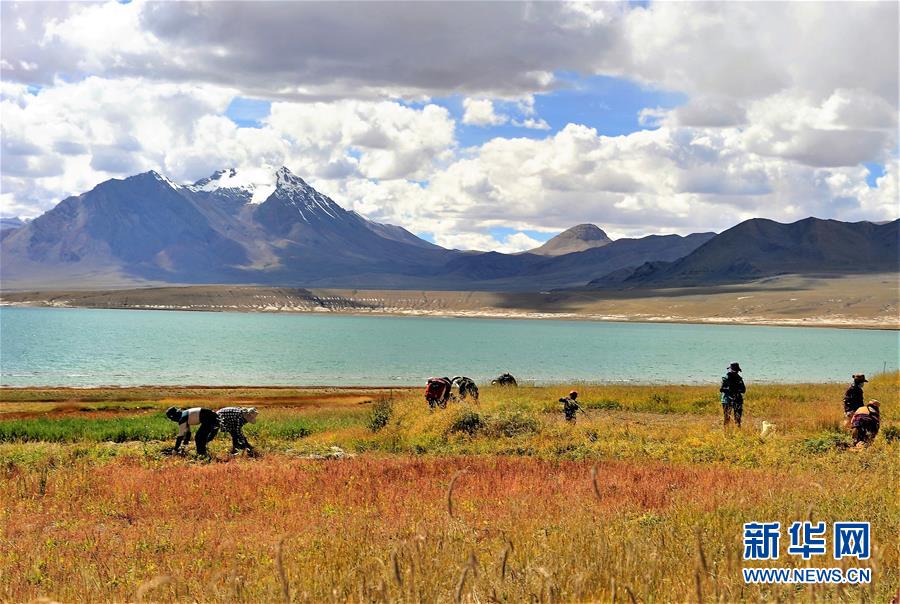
(577, 239)
(760, 248)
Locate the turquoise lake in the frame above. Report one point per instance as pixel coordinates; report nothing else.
(82, 347)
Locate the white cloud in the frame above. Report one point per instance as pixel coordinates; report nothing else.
(532, 123)
(480, 112)
(667, 180)
(784, 102)
(65, 139)
(393, 141)
(519, 242)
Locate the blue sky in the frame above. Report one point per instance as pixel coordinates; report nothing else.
(610, 105)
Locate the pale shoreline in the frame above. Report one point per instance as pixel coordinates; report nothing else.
(820, 322)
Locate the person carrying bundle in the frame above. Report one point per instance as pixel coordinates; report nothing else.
(232, 420)
(206, 420)
(437, 392)
(865, 423)
(570, 406)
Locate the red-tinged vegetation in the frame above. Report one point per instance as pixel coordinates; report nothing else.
(379, 528)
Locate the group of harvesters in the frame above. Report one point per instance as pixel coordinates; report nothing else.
(439, 390)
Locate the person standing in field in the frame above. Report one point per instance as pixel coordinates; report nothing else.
(853, 398)
(206, 420)
(232, 420)
(570, 406)
(732, 390)
(865, 423)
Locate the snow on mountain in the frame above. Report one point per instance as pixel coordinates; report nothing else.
(255, 184)
(164, 179)
(293, 190)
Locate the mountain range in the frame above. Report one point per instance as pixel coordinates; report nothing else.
(272, 228)
(761, 248)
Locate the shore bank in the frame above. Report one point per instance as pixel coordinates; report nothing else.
(865, 302)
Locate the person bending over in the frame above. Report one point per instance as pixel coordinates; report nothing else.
(232, 420)
(207, 423)
(865, 423)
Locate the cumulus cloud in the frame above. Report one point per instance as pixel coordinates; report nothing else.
(392, 140)
(665, 180)
(480, 112)
(532, 123)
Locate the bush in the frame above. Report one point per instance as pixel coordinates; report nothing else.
(469, 423)
(826, 441)
(513, 423)
(381, 414)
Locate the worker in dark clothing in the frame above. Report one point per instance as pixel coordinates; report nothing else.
(865, 423)
(232, 420)
(733, 390)
(570, 407)
(467, 387)
(853, 398)
(206, 420)
(505, 379)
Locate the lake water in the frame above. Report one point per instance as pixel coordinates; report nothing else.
(82, 347)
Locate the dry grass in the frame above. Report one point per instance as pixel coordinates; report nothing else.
(641, 501)
(379, 528)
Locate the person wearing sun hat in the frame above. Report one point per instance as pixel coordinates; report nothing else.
(853, 398)
(733, 390)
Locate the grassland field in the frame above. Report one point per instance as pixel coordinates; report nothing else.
(642, 500)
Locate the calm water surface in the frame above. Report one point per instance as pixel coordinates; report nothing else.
(82, 347)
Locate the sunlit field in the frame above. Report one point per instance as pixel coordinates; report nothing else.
(365, 495)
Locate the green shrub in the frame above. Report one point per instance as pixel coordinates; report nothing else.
(469, 423)
(826, 441)
(381, 414)
(512, 423)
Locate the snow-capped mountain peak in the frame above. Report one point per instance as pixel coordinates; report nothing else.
(255, 184)
(293, 190)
